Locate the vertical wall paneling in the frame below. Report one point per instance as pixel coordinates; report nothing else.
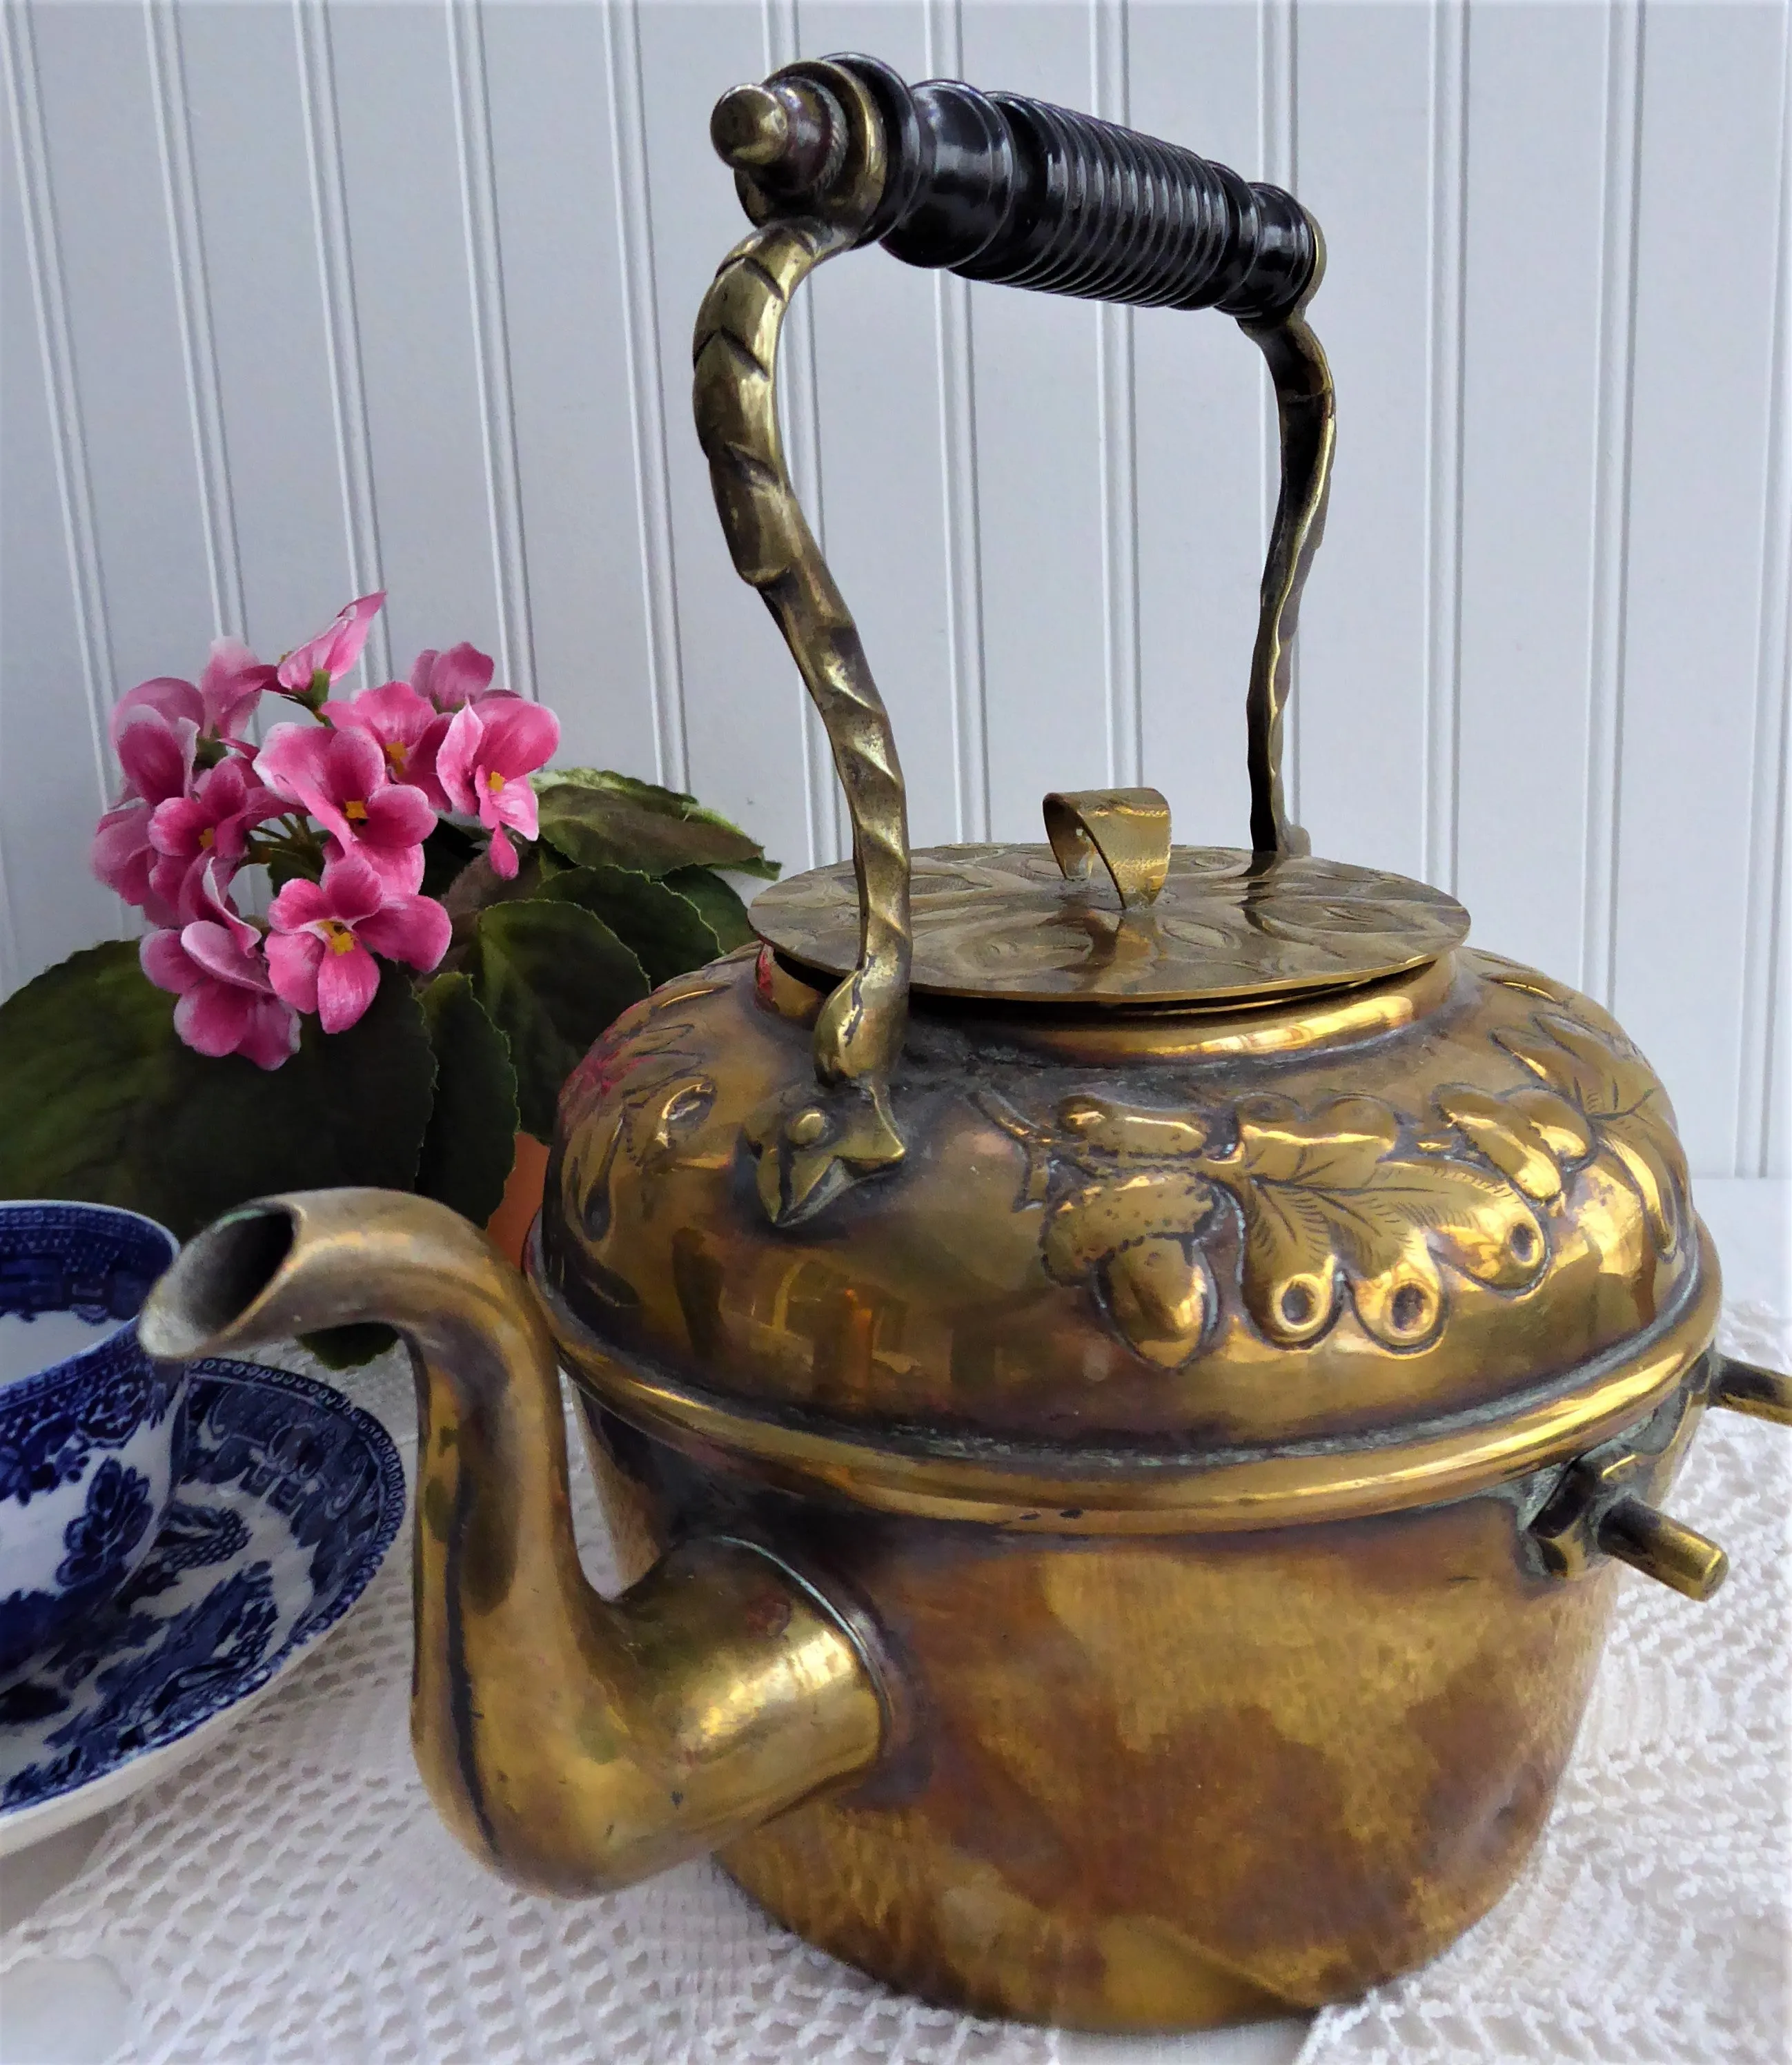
(464, 20)
(54, 766)
(1200, 396)
(1039, 473)
(1765, 1028)
(1713, 107)
(103, 167)
(1443, 497)
(308, 299)
(1119, 427)
(878, 404)
(1367, 70)
(40, 264)
(1536, 201)
(193, 302)
(1611, 508)
(583, 480)
(746, 707)
(323, 137)
(419, 354)
(641, 360)
(262, 347)
(801, 428)
(942, 25)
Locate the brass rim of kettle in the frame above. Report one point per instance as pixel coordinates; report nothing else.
(999, 1483)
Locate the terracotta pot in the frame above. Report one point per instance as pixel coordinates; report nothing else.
(509, 1226)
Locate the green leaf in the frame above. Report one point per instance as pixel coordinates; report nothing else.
(284, 867)
(471, 1139)
(552, 977)
(350, 1347)
(663, 931)
(721, 908)
(448, 850)
(103, 1101)
(599, 819)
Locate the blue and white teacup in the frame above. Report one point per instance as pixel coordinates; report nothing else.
(92, 1433)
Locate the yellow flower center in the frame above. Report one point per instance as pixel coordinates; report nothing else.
(337, 936)
(355, 813)
(494, 781)
(397, 754)
(206, 836)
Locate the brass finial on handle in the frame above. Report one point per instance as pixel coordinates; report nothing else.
(750, 128)
(788, 135)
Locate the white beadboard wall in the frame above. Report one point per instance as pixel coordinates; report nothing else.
(301, 300)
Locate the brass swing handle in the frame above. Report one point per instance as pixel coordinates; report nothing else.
(836, 152)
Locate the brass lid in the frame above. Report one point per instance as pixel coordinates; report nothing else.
(1039, 924)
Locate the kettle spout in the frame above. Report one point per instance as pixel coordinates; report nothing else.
(577, 1744)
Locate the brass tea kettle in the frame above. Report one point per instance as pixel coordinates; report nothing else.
(1118, 1372)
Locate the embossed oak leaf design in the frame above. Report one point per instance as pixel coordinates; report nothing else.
(1529, 1136)
(1330, 1201)
(1612, 1092)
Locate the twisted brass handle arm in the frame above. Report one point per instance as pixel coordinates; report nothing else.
(838, 152)
(809, 1146)
(1307, 411)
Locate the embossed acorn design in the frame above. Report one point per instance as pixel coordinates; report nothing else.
(1352, 1201)
(1121, 1374)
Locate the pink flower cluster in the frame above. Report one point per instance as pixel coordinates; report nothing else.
(350, 798)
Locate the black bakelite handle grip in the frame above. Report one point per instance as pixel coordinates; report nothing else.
(999, 187)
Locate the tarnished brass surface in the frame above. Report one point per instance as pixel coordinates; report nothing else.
(1663, 1548)
(1338, 1242)
(1764, 1393)
(1005, 923)
(1189, 1032)
(1079, 1489)
(1126, 829)
(575, 1744)
(1603, 1505)
(1167, 1784)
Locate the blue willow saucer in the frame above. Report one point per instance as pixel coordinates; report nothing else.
(288, 1501)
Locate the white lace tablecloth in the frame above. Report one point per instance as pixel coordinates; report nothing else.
(295, 1899)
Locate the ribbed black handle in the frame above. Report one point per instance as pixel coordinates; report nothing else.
(999, 187)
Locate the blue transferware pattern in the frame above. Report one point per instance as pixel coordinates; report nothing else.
(89, 1447)
(289, 1500)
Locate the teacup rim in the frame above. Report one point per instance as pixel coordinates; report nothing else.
(72, 1368)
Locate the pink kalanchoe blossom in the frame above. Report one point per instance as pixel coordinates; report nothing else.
(453, 679)
(156, 752)
(214, 965)
(220, 705)
(341, 778)
(333, 651)
(406, 729)
(319, 952)
(484, 765)
(122, 858)
(211, 825)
